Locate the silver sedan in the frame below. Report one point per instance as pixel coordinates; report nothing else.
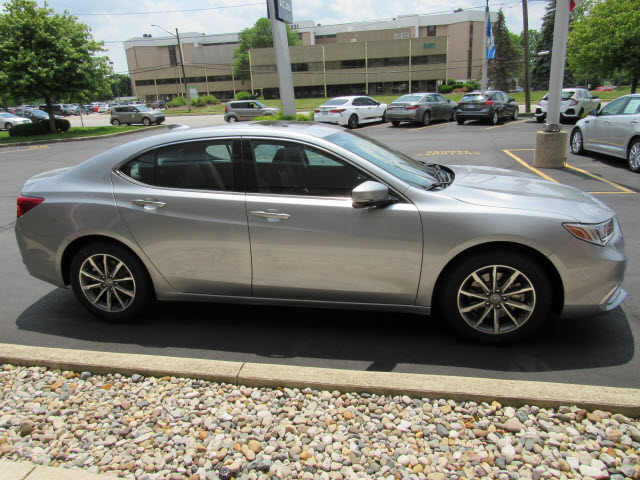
(311, 215)
(421, 108)
(613, 130)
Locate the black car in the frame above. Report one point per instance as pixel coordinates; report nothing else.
(34, 115)
(158, 104)
(492, 106)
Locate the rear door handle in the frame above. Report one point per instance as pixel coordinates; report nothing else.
(634, 121)
(270, 214)
(148, 204)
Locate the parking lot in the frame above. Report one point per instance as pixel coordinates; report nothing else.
(598, 351)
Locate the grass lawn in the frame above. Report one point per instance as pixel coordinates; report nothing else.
(73, 132)
(310, 104)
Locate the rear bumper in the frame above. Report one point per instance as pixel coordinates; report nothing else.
(334, 118)
(403, 115)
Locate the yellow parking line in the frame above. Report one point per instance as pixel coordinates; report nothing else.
(504, 125)
(543, 175)
(429, 126)
(29, 149)
(615, 185)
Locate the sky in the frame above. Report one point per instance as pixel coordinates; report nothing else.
(118, 20)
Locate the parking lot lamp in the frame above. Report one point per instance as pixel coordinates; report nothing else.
(184, 75)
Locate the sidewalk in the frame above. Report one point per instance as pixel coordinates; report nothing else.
(27, 471)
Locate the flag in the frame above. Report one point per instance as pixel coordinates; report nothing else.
(491, 45)
(573, 4)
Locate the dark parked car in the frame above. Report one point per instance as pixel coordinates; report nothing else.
(34, 114)
(158, 104)
(57, 108)
(492, 106)
(422, 108)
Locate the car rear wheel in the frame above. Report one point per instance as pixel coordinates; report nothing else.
(496, 297)
(146, 122)
(576, 143)
(232, 119)
(353, 121)
(634, 156)
(395, 124)
(454, 115)
(540, 119)
(460, 121)
(111, 282)
(426, 118)
(115, 122)
(494, 118)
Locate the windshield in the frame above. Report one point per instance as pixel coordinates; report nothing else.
(261, 105)
(476, 97)
(336, 101)
(6, 115)
(396, 163)
(408, 98)
(39, 113)
(142, 108)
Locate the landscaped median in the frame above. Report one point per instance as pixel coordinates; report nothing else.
(159, 418)
(76, 133)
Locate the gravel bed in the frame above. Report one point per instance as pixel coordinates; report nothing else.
(178, 428)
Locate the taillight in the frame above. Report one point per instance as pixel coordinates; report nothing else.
(226, 108)
(412, 107)
(489, 102)
(573, 102)
(27, 203)
(337, 110)
(317, 111)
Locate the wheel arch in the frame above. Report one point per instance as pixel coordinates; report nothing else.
(631, 140)
(557, 286)
(78, 243)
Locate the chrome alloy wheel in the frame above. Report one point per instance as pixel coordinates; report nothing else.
(634, 157)
(576, 142)
(107, 283)
(496, 299)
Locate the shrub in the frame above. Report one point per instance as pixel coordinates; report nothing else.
(445, 89)
(451, 81)
(469, 87)
(177, 102)
(39, 128)
(244, 96)
(475, 85)
(198, 102)
(210, 99)
(301, 117)
(456, 85)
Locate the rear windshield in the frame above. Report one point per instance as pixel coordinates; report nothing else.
(476, 97)
(567, 95)
(409, 98)
(336, 101)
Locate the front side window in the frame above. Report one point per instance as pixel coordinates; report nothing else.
(288, 168)
(614, 107)
(208, 165)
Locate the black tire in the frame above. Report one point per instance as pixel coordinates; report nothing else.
(395, 123)
(576, 142)
(460, 121)
(454, 115)
(540, 119)
(101, 301)
(353, 121)
(426, 119)
(516, 112)
(146, 121)
(384, 117)
(461, 291)
(8, 126)
(494, 118)
(231, 119)
(633, 156)
(115, 122)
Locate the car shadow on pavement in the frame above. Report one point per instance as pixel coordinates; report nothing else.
(383, 341)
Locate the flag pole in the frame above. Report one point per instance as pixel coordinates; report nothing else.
(485, 60)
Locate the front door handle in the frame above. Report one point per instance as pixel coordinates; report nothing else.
(148, 204)
(270, 214)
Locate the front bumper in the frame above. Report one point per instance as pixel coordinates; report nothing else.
(159, 119)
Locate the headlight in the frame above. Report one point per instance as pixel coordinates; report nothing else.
(598, 234)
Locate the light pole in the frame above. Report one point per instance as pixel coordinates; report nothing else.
(184, 75)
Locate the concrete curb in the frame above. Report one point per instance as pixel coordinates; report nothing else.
(77, 139)
(508, 392)
(10, 470)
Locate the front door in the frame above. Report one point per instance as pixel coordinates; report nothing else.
(603, 134)
(309, 243)
(185, 208)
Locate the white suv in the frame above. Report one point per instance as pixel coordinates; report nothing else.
(351, 111)
(575, 104)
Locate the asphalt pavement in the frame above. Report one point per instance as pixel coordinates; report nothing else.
(593, 351)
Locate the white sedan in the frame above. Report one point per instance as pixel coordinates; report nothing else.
(574, 105)
(351, 111)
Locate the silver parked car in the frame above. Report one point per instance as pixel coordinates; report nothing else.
(239, 110)
(613, 130)
(309, 215)
(129, 114)
(421, 108)
(9, 120)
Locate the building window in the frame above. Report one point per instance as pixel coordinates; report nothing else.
(401, 35)
(431, 31)
(264, 69)
(220, 78)
(427, 59)
(388, 62)
(333, 35)
(299, 67)
(173, 59)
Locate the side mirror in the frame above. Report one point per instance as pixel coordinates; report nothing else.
(370, 194)
(593, 112)
(511, 99)
(448, 101)
(595, 96)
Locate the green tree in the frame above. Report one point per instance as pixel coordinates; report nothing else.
(120, 85)
(48, 55)
(606, 40)
(258, 36)
(541, 68)
(505, 67)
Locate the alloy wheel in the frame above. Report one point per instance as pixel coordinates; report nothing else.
(576, 142)
(107, 283)
(496, 299)
(634, 157)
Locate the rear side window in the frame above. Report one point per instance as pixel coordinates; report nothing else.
(212, 165)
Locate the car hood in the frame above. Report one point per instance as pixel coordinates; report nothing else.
(497, 187)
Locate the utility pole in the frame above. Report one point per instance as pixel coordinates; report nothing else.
(184, 75)
(485, 60)
(525, 20)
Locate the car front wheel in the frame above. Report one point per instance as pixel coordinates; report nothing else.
(8, 126)
(496, 297)
(353, 121)
(146, 122)
(540, 119)
(516, 112)
(576, 142)
(110, 282)
(494, 118)
(634, 156)
(115, 122)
